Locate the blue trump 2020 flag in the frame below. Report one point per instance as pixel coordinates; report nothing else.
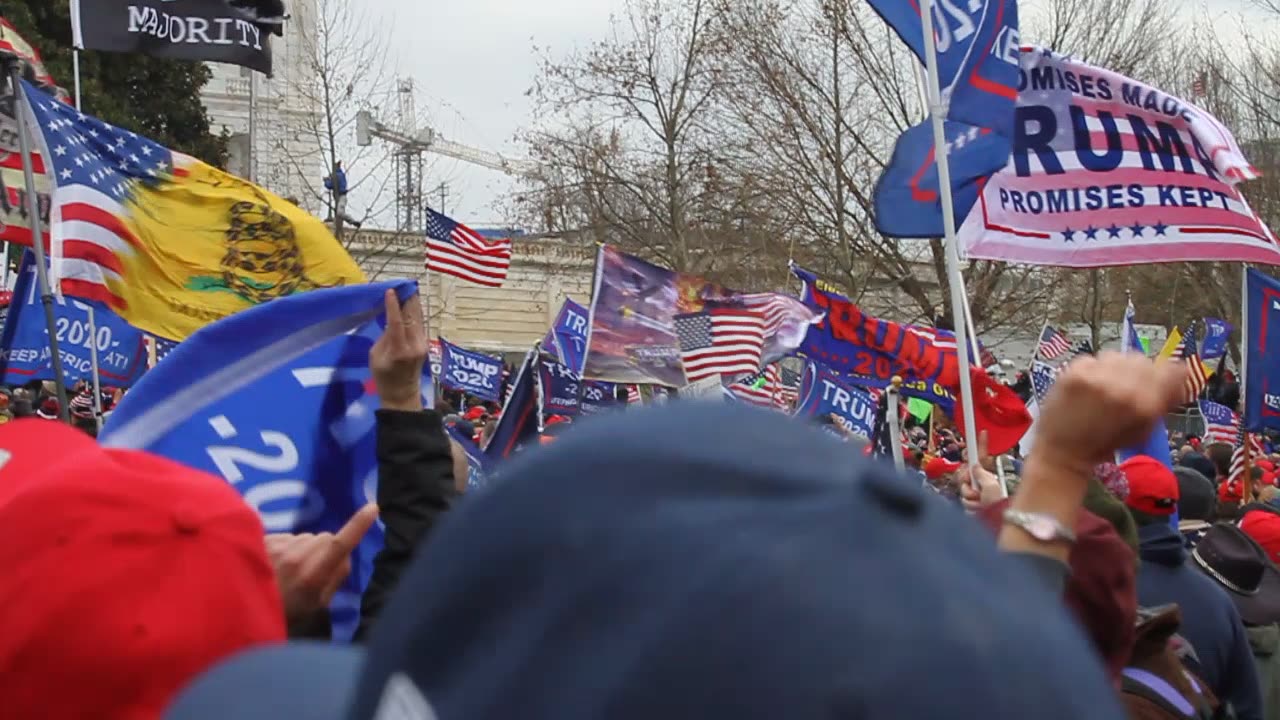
(1262, 346)
(560, 392)
(908, 200)
(278, 401)
(476, 473)
(1216, 334)
(24, 347)
(471, 372)
(977, 47)
(521, 418)
(823, 393)
(567, 339)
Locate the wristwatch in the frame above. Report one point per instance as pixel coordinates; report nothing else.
(1040, 526)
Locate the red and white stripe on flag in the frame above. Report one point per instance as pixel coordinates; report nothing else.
(1153, 180)
(457, 250)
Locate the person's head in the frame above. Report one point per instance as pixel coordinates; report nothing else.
(941, 472)
(1153, 490)
(1185, 450)
(1197, 499)
(145, 574)
(49, 409)
(737, 575)
(1220, 455)
(1263, 526)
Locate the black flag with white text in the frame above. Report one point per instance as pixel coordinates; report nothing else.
(225, 31)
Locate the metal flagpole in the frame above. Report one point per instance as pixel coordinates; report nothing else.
(37, 237)
(1246, 482)
(93, 321)
(895, 435)
(253, 128)
(937, 112)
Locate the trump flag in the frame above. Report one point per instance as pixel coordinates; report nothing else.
(1109, 171)
(1262, 347)
(167, 242)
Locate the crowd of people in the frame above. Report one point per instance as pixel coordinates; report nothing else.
(694, 560)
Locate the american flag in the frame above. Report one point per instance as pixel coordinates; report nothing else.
(1084, 348)
(1236, 473)
(1221, 425)
(942, 339)
(633, 395)
(457, 250)
(1053, 344)
(1043, 376)
(1197, 377)
(97, 169)
(764, 389)
(720, 341)
(1200, 86)
(157, 349)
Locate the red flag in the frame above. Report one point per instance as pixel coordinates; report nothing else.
(998, 410)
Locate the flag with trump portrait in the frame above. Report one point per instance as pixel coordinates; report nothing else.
(632, 334)
(167, 242)
(1107, 170)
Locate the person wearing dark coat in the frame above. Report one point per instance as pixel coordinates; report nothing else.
(416, 476)
(1211, 622)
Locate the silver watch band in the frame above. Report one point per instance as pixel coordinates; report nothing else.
(1040, 526)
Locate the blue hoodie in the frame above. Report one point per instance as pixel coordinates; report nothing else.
(1209, 619)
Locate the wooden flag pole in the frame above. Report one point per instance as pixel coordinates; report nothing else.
(37, 235)
(937, 112)
(895, 434)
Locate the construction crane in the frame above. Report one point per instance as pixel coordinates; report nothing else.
(411, 144)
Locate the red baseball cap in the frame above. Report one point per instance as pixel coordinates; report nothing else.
(1264, 528)
(937, 467)
(475, 413)
(124, 576)
(1230, 492)
(1153, 488)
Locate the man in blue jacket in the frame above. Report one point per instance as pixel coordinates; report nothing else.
(1210, 620)
(336, 184)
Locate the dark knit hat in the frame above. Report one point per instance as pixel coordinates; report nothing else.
(1201, 464)
(1197, 499)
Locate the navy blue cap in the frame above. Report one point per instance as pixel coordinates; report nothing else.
(699, 561)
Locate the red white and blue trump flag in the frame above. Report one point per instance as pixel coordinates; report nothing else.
(1106, 170)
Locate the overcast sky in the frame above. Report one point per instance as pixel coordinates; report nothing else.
(473, 60)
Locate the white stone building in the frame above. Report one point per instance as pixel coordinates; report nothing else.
(284, 157)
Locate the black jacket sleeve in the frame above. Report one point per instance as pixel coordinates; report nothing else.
(415, 486)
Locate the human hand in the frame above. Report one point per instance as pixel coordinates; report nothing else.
(397, 357)
(311, 567)
(1102, 404)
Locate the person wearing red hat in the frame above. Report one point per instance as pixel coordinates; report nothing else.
(124, 576)
(1264, 527)
(1211, 622)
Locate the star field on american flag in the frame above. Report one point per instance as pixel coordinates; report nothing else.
(1043, 376)
(85, 151)
(1221, 425)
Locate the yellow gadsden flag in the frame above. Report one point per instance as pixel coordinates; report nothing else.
(168, 242)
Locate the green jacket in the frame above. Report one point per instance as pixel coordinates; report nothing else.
(1265, 642)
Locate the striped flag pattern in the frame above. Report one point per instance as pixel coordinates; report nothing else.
(633, 395)
(457, 250)
(1236, 473)
(721, 341)
(1053, 344)
(1221, 425)
(157, 349)
(764, 389)
(1197, 377)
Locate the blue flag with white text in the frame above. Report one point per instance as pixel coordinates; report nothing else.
(560, 388)
(471, 372)
(567, 339)
(597, 396)
(822, 393)
(977, 48)
(1262, 349)
(278, 400)
(1216, 334)
(24, 347)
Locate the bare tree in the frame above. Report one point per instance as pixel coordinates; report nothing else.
(345, 69)
(627, 148)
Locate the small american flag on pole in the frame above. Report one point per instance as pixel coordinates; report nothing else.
(157, 349)
(457, 250)
(1053, 344)
(1221, 425)
(764, 389)
(720, 341)
(1197, 376)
